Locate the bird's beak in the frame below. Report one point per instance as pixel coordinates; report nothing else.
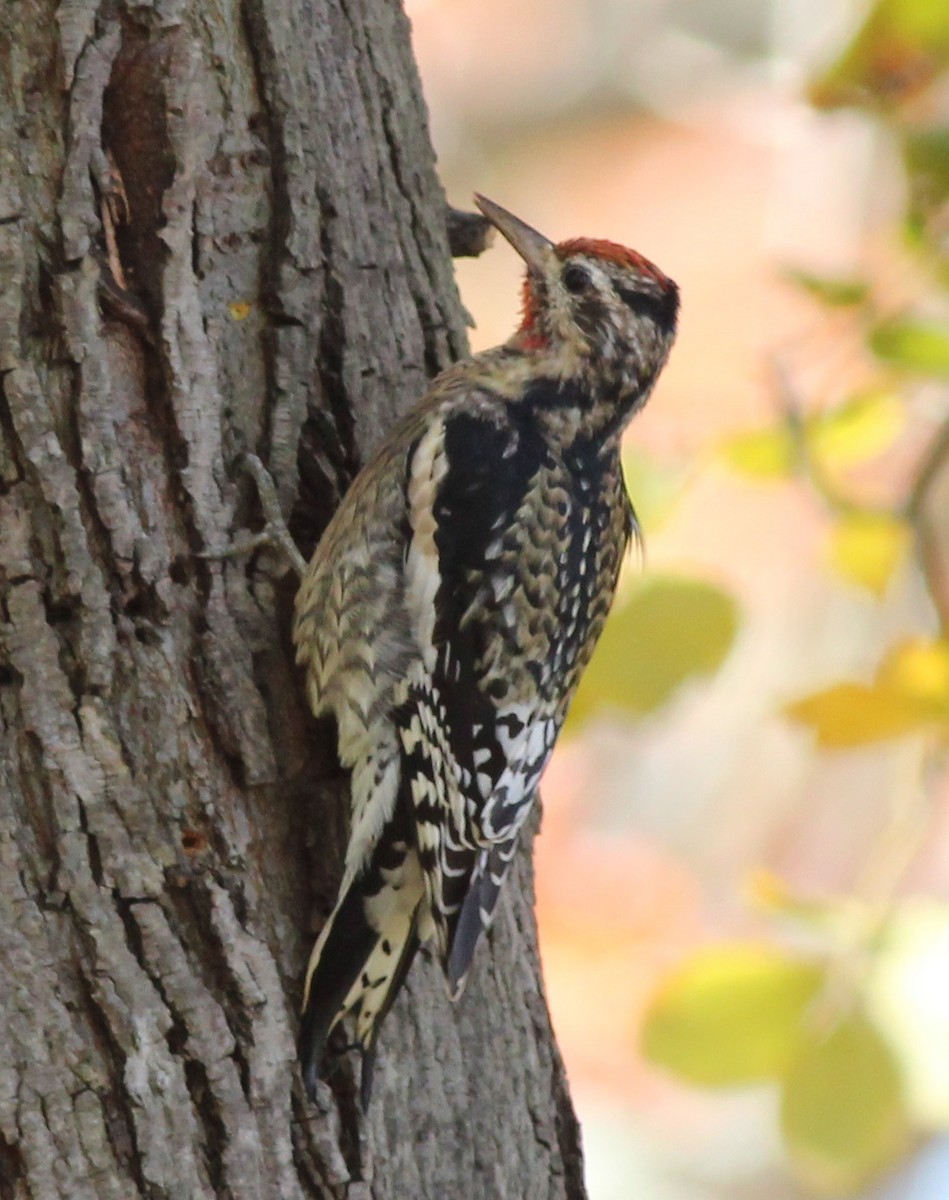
(533, 247)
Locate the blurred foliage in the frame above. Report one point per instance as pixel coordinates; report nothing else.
(900, 50)
(909, 694)
(666, 630)
(866, 548)
(848, 1019)
(833, 1014)
(842, 1107)
(731, 1015)
(852, 432)
(913, 344)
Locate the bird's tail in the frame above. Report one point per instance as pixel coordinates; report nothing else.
(477, 911)
(361, 958)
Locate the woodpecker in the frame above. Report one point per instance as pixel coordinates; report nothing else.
(451, 606)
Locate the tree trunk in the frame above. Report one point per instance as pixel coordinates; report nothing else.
(220, 229)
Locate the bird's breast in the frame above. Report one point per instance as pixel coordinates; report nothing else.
(547, 585)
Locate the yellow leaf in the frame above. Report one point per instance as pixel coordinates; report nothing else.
(857, 430)
(853, 714)
(909, 693)
(239, 309)
(762, 453)
(730, 1015)
(842, 1109)
(866, 548)
(669, 630)
(767, 890)
(919, 669)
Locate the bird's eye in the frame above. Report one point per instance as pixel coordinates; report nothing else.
(576, 278)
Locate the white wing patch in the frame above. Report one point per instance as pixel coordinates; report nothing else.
(426, 471)
(526, 738)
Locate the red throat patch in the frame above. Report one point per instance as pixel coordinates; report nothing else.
(529, 334)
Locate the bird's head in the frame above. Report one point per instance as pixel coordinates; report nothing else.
(593, 303)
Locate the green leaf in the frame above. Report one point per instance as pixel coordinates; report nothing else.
(926, 156)
(842, 1109)
(731, 1015)
(835, 293)
(670, 629)
(912, 344)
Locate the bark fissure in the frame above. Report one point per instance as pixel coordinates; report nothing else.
(267, 128)
(333, 353)
(12, 1172)
(135, 137)
(215, 1130)
(118, 1117)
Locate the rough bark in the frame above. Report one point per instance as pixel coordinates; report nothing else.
(220, 229)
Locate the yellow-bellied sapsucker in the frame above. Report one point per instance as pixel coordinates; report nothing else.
(451, 606)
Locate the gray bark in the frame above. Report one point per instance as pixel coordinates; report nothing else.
(220, 229)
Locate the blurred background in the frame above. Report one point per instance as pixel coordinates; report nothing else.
(743, 871)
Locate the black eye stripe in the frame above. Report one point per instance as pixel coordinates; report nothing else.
(643, 303)
(661, 308)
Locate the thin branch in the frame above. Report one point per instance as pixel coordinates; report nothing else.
(931, 539)
(792, 410)
(936, 457)
(934, 563)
